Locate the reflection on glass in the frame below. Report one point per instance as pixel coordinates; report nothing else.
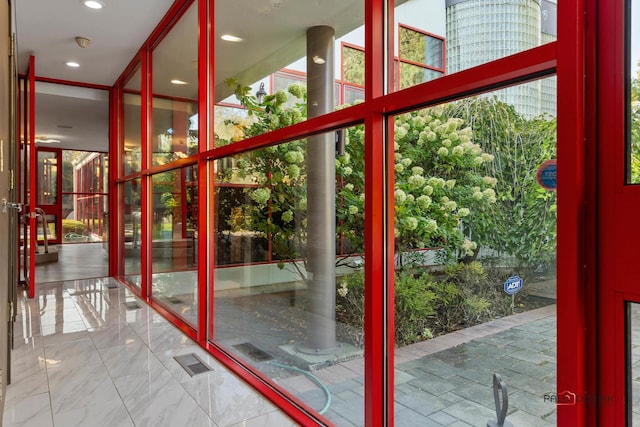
(174, 134)
(633, 364)
(47, 177)
(634, 97)
(301, 313)
(285, 76)
(421, 57)
(175, 231)
(131, 231)
(132, 131)
(447, 37)
(84, 196)
(467, 252)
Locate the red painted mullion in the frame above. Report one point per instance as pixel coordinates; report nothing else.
(145, 203)
(571, 295)
(116, 120)
(378, 368)
(205, 137)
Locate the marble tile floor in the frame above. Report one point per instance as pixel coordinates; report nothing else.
(82, 358)
(75, 261)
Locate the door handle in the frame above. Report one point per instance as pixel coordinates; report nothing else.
(5, 205)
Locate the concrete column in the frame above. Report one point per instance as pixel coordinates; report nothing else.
(321, 188)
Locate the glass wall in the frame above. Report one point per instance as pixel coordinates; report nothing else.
(285, 216)
(475, 248)
(174, 229)
(174, 133)
(303, 59)
(298, 320)
(437, 38)
(131, 125)
(84, 196)
(131, 231)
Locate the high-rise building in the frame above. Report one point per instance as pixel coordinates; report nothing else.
(479, 31)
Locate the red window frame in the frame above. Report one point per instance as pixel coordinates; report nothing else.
(566, 55)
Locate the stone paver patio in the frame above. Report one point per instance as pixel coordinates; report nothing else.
(447, 381)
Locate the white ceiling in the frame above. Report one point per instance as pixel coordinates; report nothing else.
(273, 31)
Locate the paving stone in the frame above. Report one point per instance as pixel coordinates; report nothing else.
(473, 391)
(423, 402)
(344, 385)
(443, 418)
(436, 385)
(349, 411)
(524, 419)
(407, 417)
(533, 404)
(471, 412)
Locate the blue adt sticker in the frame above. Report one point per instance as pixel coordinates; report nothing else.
(546, 175)
(513, 285)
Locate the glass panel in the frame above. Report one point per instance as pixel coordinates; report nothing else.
(84, 200)
(633, 363)
(50, 227)
(353, 65)
(474, 31)
(131, 231)
(299, 317)
(633, 35)
(47, 177)
(275, 75)
(475, 239)
(174, 134)
(411, 75)
(174, 229)
(131, 124)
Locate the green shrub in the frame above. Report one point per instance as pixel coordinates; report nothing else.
(73, 226)
(463, 295)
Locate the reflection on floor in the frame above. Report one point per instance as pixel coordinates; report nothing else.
(83, 356)
(75, 261)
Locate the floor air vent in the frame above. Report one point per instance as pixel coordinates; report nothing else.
(111, 285)
(192, 364)
(131, 305)
(253, 352)
(174, 300)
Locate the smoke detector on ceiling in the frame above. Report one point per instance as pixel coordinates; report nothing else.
(83, 42)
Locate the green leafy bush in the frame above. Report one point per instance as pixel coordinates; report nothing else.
(73, 226)
(462, 295)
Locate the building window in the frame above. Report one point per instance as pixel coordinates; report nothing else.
(421, 57)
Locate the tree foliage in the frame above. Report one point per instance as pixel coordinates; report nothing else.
(524, 221)
(635, 127)
(439, 181)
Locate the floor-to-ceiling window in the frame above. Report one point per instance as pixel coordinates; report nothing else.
(355, 252)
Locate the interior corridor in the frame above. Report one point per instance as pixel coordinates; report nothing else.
(88, 352)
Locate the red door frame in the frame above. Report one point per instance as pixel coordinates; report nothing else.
(30, 170)
(617, 214)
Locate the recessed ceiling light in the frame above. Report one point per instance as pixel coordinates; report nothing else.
(93, 4)
(230, 38)
(178, 82)
(73, 64)
(45, 140)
